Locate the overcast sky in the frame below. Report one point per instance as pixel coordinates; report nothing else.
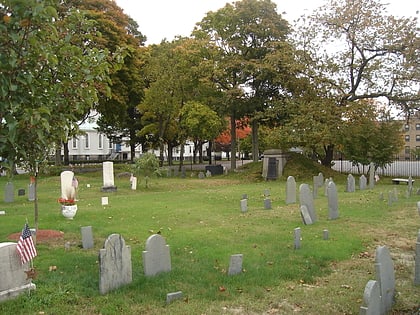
(165, 19)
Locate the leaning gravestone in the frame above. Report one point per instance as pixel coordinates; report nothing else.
(304, 213)
(156, 257)
(108, 177)
(290, 190)
(351, 183)
(417, 262)
(9, 192)
(332, 201)
(362, 182)
(115, 268)
(14, 280)
(385, 276)
(87, 237)
(307, 199)
(235, 264)
(371, 299)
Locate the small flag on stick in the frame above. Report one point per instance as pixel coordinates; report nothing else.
(25, 245)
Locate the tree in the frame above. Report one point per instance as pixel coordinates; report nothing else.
(246, 33)
(46, 80)
(146, 165)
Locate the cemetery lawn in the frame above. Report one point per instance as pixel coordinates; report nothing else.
(201, 221)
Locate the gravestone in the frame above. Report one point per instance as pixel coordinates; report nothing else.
(267, 204)
(272, 168)
(381, 196)
(9, 192)
(173, 296)
(133, 182)
(417, 262)
(208, 173)
(235, 264)
(306, 199)
(266, 192)
(325, 235)
(351, 183)
(332, 201)
(68, 191)
(201, 175)
(362, 182)
(14, 280)
(290, 190)
(371, 175)
(244, 196)
(31, 192)
(104, 201)
(371, 299)
(304, 213)
(115, 268)
(273, 163)
(87, 237)
(244, 205)
(327, 181)
(108, 177)
(385, 276)
(156, 257)
(21, 192)
(297, 237)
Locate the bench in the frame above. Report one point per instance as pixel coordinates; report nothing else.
(397, 181)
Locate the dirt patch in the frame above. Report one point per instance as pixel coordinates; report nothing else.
(41, 235)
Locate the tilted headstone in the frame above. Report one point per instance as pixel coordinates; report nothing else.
(9, 192)
(290, 190)
(371, 175)
(307, 199)
(297, 237)
(304, 213)
(385, 275)
(244, 205)
(351, 183)
(115, 269)
(417, 262)
(371, 299)
(235, 264)
(87, 237)
(156, 257)
(362, 182)
(13, 279)
(332, 201)
(108, 177)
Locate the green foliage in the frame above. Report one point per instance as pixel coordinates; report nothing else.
(147, 165)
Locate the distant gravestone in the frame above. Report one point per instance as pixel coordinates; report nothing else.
(244, 205)
(304, 213)
(21, 192)
(327, 181)
(325, 235)
(385, 275)
(87, 237)
(133, 183)
(115, 268)
(14, 280)
(266, 192)
(108, 177)
(156, 257)
(290, 190)
(208, 173)
(351, 183)
(306, 199)
(371, 299)
(170, 297)
(417, 262)
(371, 175)
(332, 201)
(201, 175)
(235, 264)
(267, 204)
(31, 192)
(297, 237)
(9, 192)
(244, 196)
(104, 201)
(362, 182)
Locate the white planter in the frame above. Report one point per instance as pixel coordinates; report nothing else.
(69, 211)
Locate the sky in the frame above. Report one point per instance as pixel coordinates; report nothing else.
(165, 19)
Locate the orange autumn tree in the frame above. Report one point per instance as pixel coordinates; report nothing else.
(224, 140)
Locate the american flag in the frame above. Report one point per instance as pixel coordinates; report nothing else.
(25, 245)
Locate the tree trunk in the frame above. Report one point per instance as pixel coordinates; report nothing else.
(329, 154)
(209, 151)
(66, 153)
(57, 160)
(181, 156)
(233, 141)
(161, 157)
(255, 144)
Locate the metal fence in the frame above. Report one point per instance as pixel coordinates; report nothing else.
(395, 169)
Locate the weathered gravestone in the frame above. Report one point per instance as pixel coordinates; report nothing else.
(371, 299)
(290, 190)
(13, 279)
(87, 237)
(417, 262)
(307, 199)
(351, 183)
(133, 182)
(385, 275)
(304, 213)
(115, 268)
(156, 257)
(9, 192)
(235, 264)
(170, 297)
(332, 201)
(68, 191)
(362, 182)
(325, 235)
(108, 177)
(267, 204)
(244, 205)
(297, 237)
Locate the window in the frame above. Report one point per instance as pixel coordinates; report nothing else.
(100, 141)
(109, 144)
(417, 126)
(74, 143)
(407, 150)
(406, 127)
(87, 141)
(407, 138)
(417, 137)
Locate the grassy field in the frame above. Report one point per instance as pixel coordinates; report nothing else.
(202, 222)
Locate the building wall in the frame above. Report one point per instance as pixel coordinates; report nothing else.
(411, 135)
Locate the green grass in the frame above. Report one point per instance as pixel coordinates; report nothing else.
(202, 223)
